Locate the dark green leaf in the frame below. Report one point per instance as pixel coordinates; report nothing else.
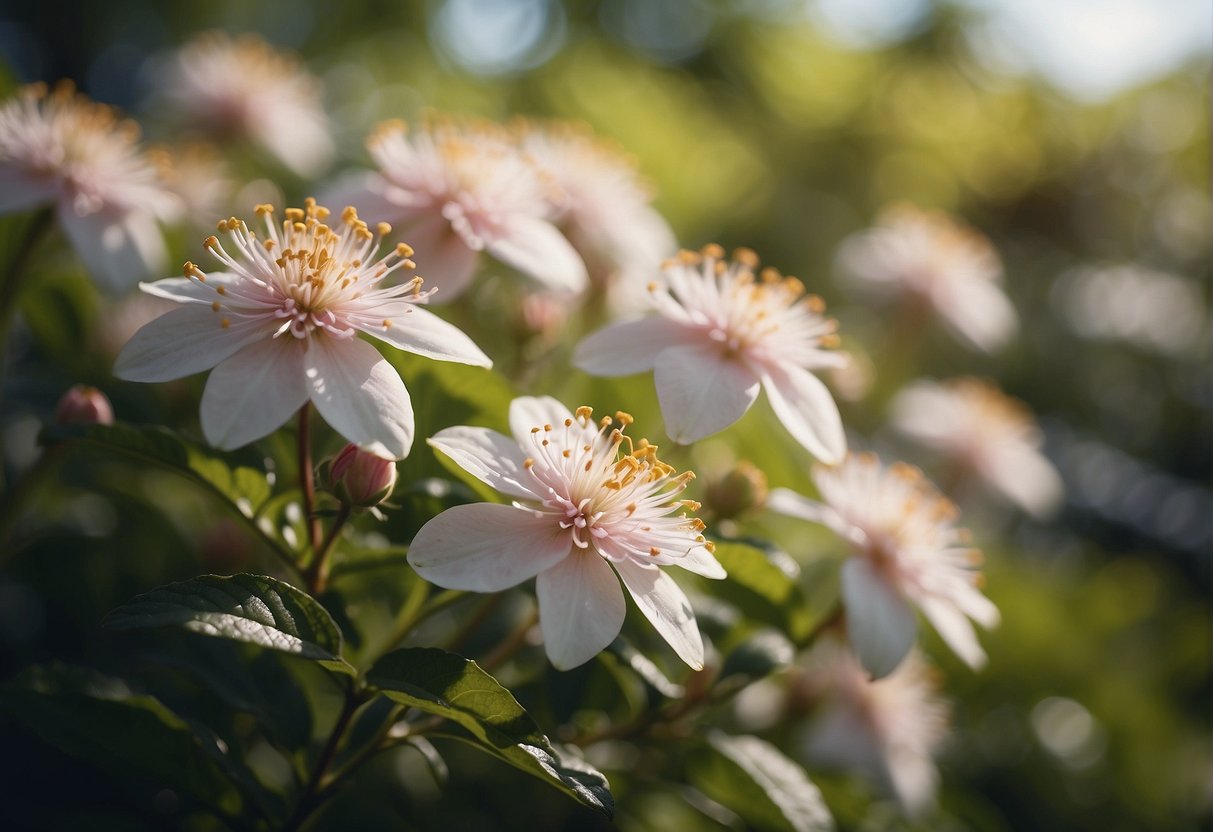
(755, 779)
(761, 590)
(250, 608)
(761, 654)
(450, 686)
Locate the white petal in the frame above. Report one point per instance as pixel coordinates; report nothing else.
(789, 503)
(914, 778)
(701, 391)
(581, 608)
(627, 347)
(665, 605)
(535, 248)
(979, 312)
(443, 259)
(485, 547)
(360, 395)
(495, 460)
(183, 342)
(1023, 475)
(119, 248)
(305, 148)
(422, 332)
(527, 412)
(367, 192)
(954, 629)
(188, 290)
(702, 562)
(253, 393)
(880, 624)
(807, 410)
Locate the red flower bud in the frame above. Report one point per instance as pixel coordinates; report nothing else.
(359, 478)
(84, 405)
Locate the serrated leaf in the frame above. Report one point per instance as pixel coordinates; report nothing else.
(761, 590)
(758, 782)
(254, 609)
(244, 487)
(99, 720)
(450, 686)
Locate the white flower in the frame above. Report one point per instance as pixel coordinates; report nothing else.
(887, 729)
(907, 552)
(984, 431)
(460, 188)
(280, 326)
(604, 208)
(244, 88)
(934, 260)
(718, 335)
(60, 148)
(587, 500)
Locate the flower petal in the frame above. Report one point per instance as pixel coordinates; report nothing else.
(422, 332)
(666, 607)
(119, 248)
(955, 630)
(702, 562)
(581, 608)
(807, 410)
(535, 248)
(790, 504)
(527, 412)
(1025, 477)
(495, 460)
(360, 395)
(183, 342)
(701, 391)
(252, 393)
(20, 192)
(443, 258)
(485, 547)
(627, 347)
(880, 623)
(188, 290)
(979, 312)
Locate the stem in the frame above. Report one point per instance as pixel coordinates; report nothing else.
(317, 575)
(512, 642)
(306, 480)
(311, 798)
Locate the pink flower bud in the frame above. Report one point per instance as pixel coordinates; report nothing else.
(84, 405)
(360, 478)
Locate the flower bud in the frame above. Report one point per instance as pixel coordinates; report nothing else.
(741, 489)
(84, 405)
(359, 478)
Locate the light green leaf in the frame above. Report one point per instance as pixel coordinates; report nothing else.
(761, 590)
(254, 609)
(450, 686)
(756, 780)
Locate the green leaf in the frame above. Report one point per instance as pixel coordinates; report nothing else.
(99, 720)
(254, 609)
(762, 591)
(759, 655)
(450, 686)
(244, 487)
(756, 780)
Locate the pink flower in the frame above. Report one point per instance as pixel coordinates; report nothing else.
(986, 432)
(460, 188)
(84, 405)
(906, 552)
(718, 335)
(934, 259)
(359, 478)
(586, 500)
(61, 148)
(244, 88)
(280, 327)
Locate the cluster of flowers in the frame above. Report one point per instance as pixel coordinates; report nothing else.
(278, 324)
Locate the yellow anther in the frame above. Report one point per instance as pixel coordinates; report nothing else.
(624, 419)
(654, 551)
(383, 228)
(225, 323)
(263, 209)
(536, 430)
(216, 305)
(528, 463)
(404, 249)
(212, 242)
(568, 423)
(713, 250)
(746, 256)
(387, 324)
(295, 215)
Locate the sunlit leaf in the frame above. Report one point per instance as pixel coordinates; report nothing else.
(761, 590)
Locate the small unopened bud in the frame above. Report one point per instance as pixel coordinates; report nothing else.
(740, 490)
(359, 478)
(84, 405)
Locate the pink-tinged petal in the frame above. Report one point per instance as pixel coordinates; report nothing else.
(360, 395)
(368, 193)
(702, 562)
(485, 547)
(955, 630)
(528, 412)
(914, 778)
(787, 502)
(581, 608)
(628, 347)
(495, 460)
(253, 393)
(188, 290)
(807, 410)
(1022, 474)
(880, 624)
(969, 600)
(701, 391)
(443, 258)
(980, 313)
(666, 607)
(183, 342)
(535, 248)
(119, 248)
(422, 332)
